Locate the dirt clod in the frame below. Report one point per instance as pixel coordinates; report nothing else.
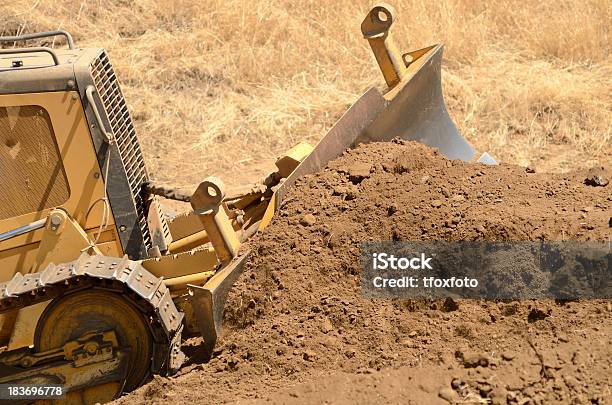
(309, 355)
(498, 396)
(326, 326)
(308, 220)
(596, 181)
(448, 395)
(358, 172)
(450, 305)
(537, 315)
(472, 359)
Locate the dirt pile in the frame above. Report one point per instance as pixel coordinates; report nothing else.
(298, 330)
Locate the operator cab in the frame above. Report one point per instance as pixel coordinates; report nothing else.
(67, 141)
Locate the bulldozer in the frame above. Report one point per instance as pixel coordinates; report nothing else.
(98, 286)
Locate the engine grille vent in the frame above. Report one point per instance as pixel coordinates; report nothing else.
(123, 129)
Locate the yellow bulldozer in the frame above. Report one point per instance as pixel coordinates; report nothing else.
(98, 287)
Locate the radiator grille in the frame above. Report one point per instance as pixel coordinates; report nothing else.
(123, 129)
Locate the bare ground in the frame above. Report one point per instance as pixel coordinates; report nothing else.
(299, 331)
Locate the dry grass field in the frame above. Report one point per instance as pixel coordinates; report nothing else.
(222, 87)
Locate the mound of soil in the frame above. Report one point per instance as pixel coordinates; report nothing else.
(297, 329)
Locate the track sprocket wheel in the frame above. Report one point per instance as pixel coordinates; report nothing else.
(70, 317)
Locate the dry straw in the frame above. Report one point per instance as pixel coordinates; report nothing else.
(222, 87)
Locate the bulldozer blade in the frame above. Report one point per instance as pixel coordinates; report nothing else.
(343, 135)
(414, 109)
(207, 302)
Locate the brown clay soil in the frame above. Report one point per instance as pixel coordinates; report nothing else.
(297, 329)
